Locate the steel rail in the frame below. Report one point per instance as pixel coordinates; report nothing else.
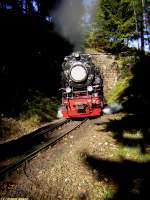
(7, 170)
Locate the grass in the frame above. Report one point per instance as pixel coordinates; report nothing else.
(45, 108)
(114, 94)
(92, 50)
(133, 154)
(36, 111)
(131, 144)
(136, 135)
(11, 127)
(107, 193)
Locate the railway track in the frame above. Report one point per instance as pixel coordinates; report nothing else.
(48, 135)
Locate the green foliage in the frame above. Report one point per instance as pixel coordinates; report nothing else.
(127, 64)
(107, 193)
(133, 153)
(38, 104)
(114, 94)
(114, 24)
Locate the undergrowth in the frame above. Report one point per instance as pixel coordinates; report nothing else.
(127, 63)
(114, 94)
(37, 110)
(43, 107)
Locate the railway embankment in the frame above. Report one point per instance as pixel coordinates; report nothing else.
(62, 172)
(116, 72)
(99, 160)
(106, 158)
(41, 110)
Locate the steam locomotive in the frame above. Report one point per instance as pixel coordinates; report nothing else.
(82, 87)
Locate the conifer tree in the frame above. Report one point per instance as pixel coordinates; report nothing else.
(115, 23)
(118, 22)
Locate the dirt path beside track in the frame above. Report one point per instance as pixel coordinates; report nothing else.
(63, 171)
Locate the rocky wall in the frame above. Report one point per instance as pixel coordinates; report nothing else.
(109, 67)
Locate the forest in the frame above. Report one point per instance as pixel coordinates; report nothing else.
(34, 41)
(117, 23)
(30, 48)
(109, 156)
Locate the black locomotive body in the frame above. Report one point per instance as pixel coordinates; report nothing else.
(82, 87)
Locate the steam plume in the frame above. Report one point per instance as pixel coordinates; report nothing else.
(70, 18)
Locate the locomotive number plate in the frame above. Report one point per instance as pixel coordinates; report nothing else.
(80, 106)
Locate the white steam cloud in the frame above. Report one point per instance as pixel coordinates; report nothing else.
(70, 19)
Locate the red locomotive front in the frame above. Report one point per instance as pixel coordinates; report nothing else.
(82, 87)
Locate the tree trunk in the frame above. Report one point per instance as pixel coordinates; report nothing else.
(142, 26)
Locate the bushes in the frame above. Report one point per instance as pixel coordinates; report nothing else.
(117, 93)
(38, 104)
(118, 89)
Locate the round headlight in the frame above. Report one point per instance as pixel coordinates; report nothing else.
(90, 88)
(68, 89)
(78, 73)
